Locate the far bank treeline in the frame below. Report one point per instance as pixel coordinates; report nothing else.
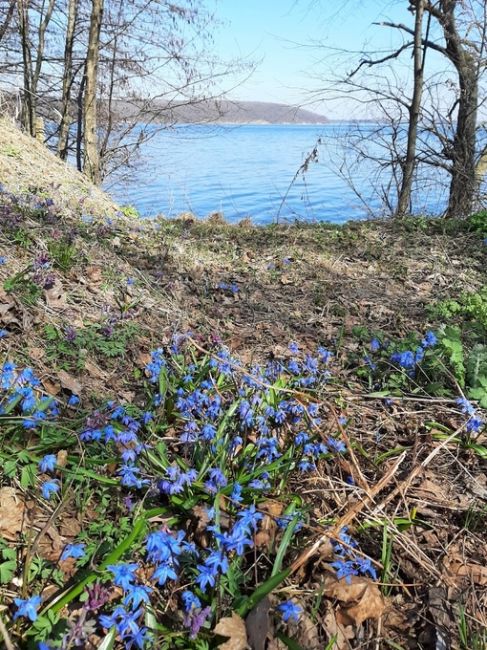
(102, 73)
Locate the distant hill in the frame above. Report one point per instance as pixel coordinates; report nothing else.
(238, 112)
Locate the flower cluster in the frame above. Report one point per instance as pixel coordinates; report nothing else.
(20, 393)
(409, 359)
(474, 422)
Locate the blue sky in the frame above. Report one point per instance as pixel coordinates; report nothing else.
(280, 32)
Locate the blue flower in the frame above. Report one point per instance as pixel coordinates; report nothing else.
(217, 561)
(249, 517)
(3, 260)
(237, 493)
(475, 424)
(293, 347)
(73, 400)
(345, 569)
(123, 574)
(336, 446)
(27, 607)
(290, 611)
(216, 481)
(404, 359)
(324, 354)
(3, 333)
(206, 577)
(429, 340)
(190, 601)
(49, 488)
(48, 463)
(164, 571)
(465, 406)
(73, 550)
(375, 345)
(136, 595)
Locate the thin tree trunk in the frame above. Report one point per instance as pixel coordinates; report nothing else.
(91, 163)
(79, 124)
(44, 21)
(8, 18)
(463, 186)
(28, 100)
(63, 139)
(404, 201)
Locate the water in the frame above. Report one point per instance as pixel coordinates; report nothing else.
(249, 171)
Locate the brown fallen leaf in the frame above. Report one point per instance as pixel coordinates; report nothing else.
(341, 634)
(53, 388)
(267, 531)
(55, 296)
(94, 370)
(12, 513)
(68, 382)
(258, 625)
(94, 273)
(360, 599)
(232, 627)
(62, 458)
(477, 573)
(50, 545)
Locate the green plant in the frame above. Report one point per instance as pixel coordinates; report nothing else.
(129, 211)
(63, 254)
(70, 350)
(478, 221)
(471, 637)
(469, 307)
(28, 291)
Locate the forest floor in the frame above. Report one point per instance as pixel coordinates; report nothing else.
(395, 500)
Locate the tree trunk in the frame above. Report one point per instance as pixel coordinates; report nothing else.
(404, 201)
(91, 163)
(28, 118)
(463, 185)
(8, 18)
(68, 75)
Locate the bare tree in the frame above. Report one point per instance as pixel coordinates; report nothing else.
(7, 18)
(91, 162)
(419, 56)
(68, 78)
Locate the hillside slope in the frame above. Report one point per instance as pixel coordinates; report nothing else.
(328, 458)
(26, 165)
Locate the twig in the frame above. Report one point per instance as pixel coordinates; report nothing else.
(349, 516)
(6, 637)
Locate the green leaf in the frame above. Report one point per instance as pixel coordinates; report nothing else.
(7, 571)
(289, 643)
(109, 640)
(261, 592)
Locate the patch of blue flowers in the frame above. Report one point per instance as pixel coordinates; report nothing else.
(212, 441)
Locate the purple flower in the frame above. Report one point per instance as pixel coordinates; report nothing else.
(293, 347)
(195, 620)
